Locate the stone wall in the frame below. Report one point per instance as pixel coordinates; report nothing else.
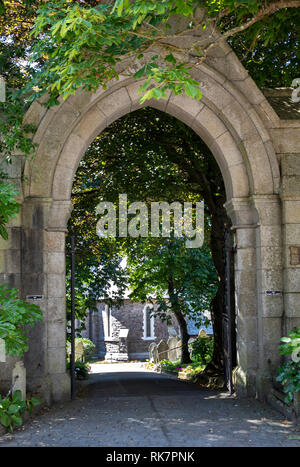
(129, 316)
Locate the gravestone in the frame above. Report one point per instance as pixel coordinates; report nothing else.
(151, 348)
(78, 351)
(172, 350)
(162, 349)
(178, 350)
(202, 333)
(155, 356)
(19, 379)
(190, 341)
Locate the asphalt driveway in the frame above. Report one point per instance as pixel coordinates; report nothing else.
(126, 405)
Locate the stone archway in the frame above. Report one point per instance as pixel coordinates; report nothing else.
(233, 119)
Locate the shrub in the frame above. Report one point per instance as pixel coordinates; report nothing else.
(88, 347)
(202, 349)
(289, 372)
(15, 314)
(81, 369)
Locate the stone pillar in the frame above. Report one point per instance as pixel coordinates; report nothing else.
(244, 220)
(269, 289)
(43, 276)
(258, 282)
(290, 196)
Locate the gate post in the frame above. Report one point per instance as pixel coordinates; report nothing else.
(269, 290)
(43, 276)
(244, 220)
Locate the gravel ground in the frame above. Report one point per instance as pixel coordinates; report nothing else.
(126, 405)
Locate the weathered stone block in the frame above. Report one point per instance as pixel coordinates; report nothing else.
(292, 279)
(73, 151)
(247, 328)
(271, 279)
(54, 241)
(238, 118)
(291, 234)
(247, 355)
(245, 259)
(286, 140)
(184, 109)
(234, 68)
(245, 238)
(56, 333)
(239, 180)
(56, 285)
(292, 305)
(60, 387)
(272, 330)
(246, 304)
(271, 257)
(56, 360)
(272, 306)
(290, 164)
(55, 263)
(269, 235)
(56, 307)
(206, 119)
(115, 105)
(291, 211)
(290, 185)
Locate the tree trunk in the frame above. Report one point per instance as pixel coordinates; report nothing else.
(185, 353)
(175, 305)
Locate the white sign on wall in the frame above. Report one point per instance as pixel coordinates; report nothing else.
(2, 351)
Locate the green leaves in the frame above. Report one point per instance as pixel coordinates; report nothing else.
(12, 407)
(15, 314)
(8, 206)
(154, 264)
(171, 77)
(289, 372)
(192, 91)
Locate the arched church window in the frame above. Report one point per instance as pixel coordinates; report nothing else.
(148, 323)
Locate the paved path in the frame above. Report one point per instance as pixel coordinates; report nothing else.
(126, 405)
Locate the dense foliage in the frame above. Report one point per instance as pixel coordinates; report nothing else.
(202, 349)
(15, 315)
(73, 35)
(8, 206)
(289, 372)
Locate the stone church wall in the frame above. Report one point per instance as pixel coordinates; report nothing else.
(129, 316)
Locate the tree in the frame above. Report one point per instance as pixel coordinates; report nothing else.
(79, 43)
(178, 279)
(84, 45)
